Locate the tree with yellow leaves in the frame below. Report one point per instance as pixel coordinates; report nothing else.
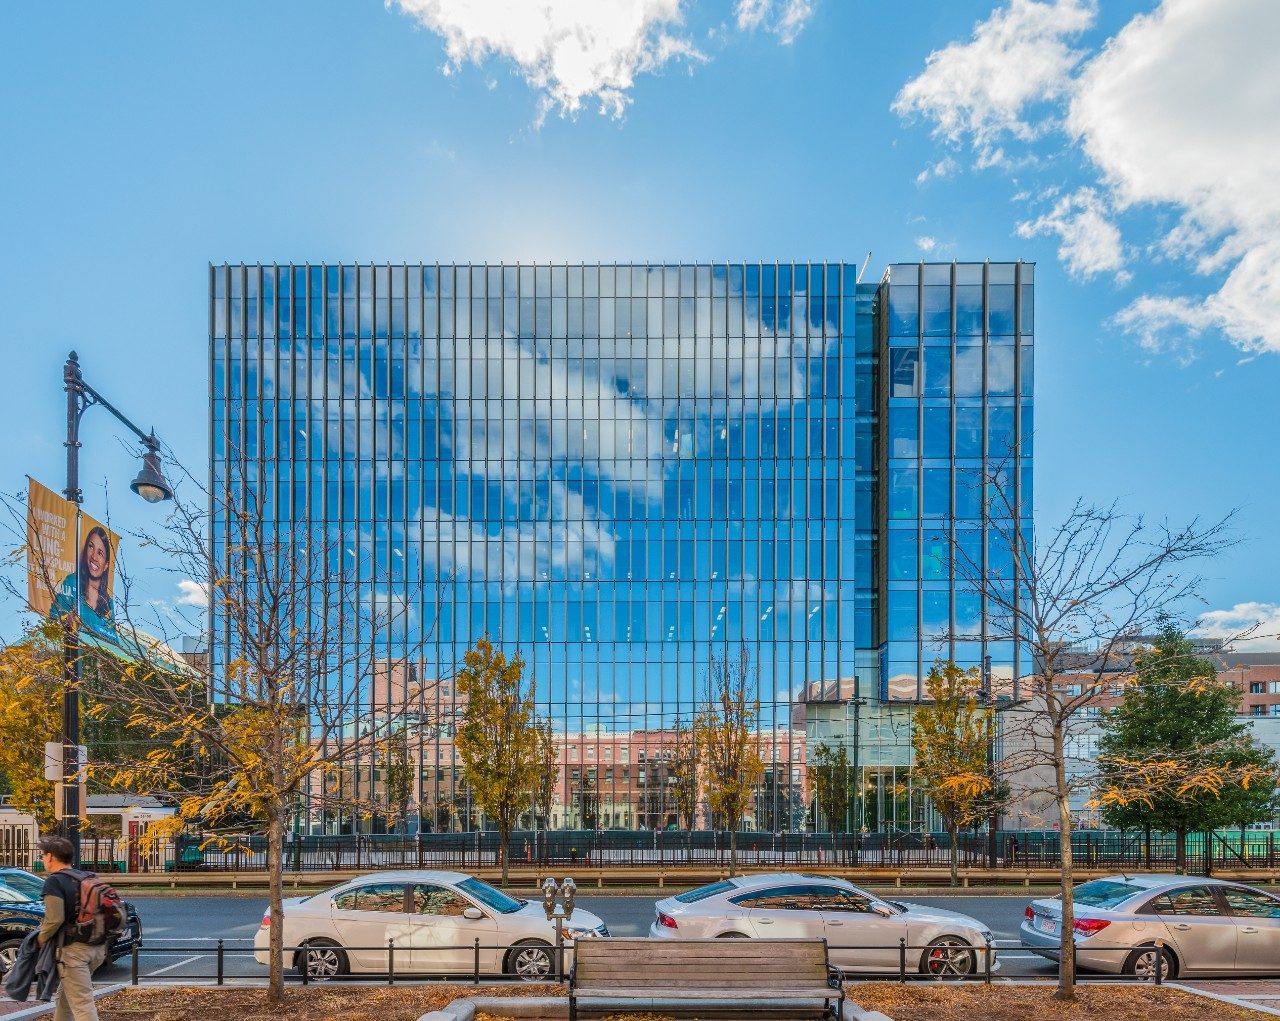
(30, 715)
(951, 739)
(270, 719)
(498, 737)
(724, 730)
(546, 774)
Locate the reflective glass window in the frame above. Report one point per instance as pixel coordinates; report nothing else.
(968, 377)
(968, 310)
(904, 373)
(999, 370)
(904, 311)
(937, 430)
(902, 492)
(968, 431)
(1000, 313)
(903, 432)
(937, 492)
(937, 371)
(902, 554)
(937, 311)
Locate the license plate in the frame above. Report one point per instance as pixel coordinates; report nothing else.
(1046, 924)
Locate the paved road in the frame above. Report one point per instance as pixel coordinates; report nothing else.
(179, 930)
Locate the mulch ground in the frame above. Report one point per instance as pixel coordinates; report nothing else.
(938, 1002)
(326, 1003)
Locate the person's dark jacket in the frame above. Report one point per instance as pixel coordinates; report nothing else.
(35, 964)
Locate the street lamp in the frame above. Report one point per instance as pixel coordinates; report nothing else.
(153, 487)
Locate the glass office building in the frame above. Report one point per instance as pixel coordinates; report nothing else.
(620, 471)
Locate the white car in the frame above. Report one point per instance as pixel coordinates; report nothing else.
(431, 919)
(863, 932)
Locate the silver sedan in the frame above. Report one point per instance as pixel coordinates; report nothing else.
(1207, 927)
(432, 921)
(862, 931)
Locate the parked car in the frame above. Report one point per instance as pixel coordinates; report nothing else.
(1208, 927)
(22, 909)
(434, 919)
(862, 931)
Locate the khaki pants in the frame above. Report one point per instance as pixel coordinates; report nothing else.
(76, 963)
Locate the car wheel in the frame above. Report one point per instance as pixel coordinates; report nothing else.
(530, 961)
(733, 935)
(8, 953)
(1142, 964)
(323, 960)
(948, 956)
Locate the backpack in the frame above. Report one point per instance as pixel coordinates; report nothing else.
(100, 912)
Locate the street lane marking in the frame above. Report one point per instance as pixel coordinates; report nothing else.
(179, 964)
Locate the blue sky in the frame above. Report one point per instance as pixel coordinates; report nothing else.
(1126, 151)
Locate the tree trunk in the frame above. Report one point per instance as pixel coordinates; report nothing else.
(504, 849)
(733, 851)
(1180, 852)
(1066, 941)
(275, 880)
(952, 830)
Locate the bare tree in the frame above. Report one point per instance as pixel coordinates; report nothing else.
(1078, 595)
(685, 772)
(277, 710)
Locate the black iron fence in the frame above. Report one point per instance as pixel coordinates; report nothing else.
(224, 963)
(1014, 850)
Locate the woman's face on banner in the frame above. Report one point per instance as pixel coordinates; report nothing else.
(96, 557)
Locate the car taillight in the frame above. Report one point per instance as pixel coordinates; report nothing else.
(266, 920)
(1089, 926)
(666, 921)
(1029, 915)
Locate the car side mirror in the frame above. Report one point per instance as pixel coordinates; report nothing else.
(883, 910)
(475, 914)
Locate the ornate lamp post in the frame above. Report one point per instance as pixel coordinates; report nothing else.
(153, 487)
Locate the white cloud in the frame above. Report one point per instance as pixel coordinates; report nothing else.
(926, 244)
(1177, 112)
(785, 18)
(1091, 242)
(193, 593)
(1260, 622)
(1204, 143)
(945, 167)
(981, 88)
(571, 51)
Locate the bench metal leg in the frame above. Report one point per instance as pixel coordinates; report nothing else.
(573, 1008)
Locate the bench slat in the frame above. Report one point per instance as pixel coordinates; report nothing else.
(724, 992)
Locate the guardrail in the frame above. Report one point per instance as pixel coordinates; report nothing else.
(982, 961)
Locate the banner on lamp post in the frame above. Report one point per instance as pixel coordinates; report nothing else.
(71, 559)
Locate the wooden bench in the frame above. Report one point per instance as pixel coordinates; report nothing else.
(739, 970)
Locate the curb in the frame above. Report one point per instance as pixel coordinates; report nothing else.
(47, 1008)
(1235, 1001)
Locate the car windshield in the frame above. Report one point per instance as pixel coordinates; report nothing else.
(1105, 893)
(489, 896)
(25, 885)
(703, 892)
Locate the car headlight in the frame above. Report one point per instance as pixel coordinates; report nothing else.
(576, 932)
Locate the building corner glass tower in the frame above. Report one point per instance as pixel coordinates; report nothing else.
(620, 471)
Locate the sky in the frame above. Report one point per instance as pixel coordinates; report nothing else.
(1131, 151)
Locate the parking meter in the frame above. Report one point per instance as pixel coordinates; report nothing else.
(569, 889)
(549, 898)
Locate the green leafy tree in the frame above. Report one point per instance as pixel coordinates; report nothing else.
(832, 785)
(951, 739)
(685, 769)
(398, 777)
(497, 738)
(725, 732)
(1177, 711)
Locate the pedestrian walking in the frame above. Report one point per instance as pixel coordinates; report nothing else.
(76, 960)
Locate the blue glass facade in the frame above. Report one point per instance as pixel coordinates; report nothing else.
(621, 470)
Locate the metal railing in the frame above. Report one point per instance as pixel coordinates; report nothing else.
(911, 964)
(1014, 850)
